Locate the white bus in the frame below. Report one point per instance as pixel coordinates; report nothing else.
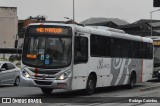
(72, 57)
(156, 43)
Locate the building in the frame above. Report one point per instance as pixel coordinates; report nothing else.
(8, 26)
(142, 28)
(155, 28)
(108, 22)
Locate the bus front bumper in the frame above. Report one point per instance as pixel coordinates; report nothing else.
(46, 83)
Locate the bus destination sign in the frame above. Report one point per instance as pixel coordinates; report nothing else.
(49, 30)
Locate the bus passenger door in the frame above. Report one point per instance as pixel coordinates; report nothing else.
(80, 66)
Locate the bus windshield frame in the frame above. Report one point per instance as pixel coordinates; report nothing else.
(50, 50)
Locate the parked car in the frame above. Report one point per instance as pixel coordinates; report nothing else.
(9, 73)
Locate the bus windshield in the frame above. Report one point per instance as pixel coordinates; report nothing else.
(156, 56)
(47, 51)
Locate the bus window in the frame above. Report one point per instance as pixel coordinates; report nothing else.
(156, 3)
(81, 49)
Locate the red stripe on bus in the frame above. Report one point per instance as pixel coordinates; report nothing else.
(141, 77)
(142, 66)
(36, 72)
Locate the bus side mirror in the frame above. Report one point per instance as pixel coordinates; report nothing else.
(80, 49)
(156, 3)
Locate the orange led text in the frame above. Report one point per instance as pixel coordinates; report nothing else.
(49, 30)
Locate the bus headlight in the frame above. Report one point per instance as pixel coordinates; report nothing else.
(25, 73)
(64, 75)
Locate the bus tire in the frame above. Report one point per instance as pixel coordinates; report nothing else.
(47, 91)
(132, 81)
(91, 85)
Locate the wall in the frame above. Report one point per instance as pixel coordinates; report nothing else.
(8, 26)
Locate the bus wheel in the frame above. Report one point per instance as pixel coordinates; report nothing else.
(91, 85)
(47, 90)
(132, 81)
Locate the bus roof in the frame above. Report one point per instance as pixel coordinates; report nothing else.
(101, 30)
(116, 34)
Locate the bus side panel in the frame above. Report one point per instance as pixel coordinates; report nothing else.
(80, 72)
(102, 67)
(147, 70)
(121, 69)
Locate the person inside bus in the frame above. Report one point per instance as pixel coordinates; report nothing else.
(52, 50)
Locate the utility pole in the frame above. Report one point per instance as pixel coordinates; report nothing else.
(73, 11)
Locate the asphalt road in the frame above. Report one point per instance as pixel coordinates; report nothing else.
(113, 95)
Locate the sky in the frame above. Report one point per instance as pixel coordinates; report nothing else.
(56, 10)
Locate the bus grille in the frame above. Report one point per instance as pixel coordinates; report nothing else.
(43, 82)
(46, 71)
